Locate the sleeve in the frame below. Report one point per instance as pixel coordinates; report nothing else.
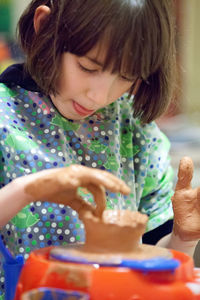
(158, 184)
(153, 236)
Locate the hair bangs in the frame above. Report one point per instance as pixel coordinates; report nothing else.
(117, 27)
(131, 50)
(84, 28)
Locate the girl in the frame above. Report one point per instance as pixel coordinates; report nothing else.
(70, 103)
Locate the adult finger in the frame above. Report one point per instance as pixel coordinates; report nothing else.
(185, 174)
(198, 198)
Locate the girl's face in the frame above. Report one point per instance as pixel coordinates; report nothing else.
(83, 87)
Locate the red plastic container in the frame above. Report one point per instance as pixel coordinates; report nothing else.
(110, 283)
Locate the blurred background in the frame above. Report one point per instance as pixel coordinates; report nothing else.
(182, 121)
(10, 11)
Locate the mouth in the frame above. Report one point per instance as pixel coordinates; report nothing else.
(82, 111)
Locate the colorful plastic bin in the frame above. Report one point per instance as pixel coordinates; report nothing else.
(109, 282)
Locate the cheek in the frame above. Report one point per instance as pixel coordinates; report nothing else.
(66, 77)
(65, 83)
(120, 89)
(71, 82)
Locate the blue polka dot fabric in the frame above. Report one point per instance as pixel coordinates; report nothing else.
(34, 136)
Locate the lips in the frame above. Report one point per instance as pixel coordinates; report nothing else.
(82, 111)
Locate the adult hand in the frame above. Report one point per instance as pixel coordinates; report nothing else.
(61, 186)
(186, 203)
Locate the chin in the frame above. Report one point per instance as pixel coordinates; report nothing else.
(74, 118)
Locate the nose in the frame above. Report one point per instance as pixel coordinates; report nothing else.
(99, 91)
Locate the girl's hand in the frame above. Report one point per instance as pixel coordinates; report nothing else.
(186, 204)
(61, 185)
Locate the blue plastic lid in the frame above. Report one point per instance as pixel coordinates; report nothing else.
(144, 265)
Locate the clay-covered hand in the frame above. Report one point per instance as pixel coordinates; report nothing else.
(186, 203)
(61, 186)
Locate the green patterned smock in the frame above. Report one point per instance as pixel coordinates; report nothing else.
(34, 136)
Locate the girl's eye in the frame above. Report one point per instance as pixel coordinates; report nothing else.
(86, 69)
(127, 79)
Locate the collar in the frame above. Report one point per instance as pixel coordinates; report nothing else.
(16, 75)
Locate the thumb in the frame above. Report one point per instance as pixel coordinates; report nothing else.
(185, 174)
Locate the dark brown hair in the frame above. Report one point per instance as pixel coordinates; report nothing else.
(141, 43)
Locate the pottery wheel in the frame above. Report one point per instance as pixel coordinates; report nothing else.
(80, 254)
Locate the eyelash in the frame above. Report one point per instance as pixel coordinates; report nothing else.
(127, 79)
(93, 71)
(86, 70)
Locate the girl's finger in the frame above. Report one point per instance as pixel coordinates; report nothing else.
(99, 198)
(111, 182)
(119, 185)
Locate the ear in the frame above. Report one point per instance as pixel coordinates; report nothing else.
(41, 13)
